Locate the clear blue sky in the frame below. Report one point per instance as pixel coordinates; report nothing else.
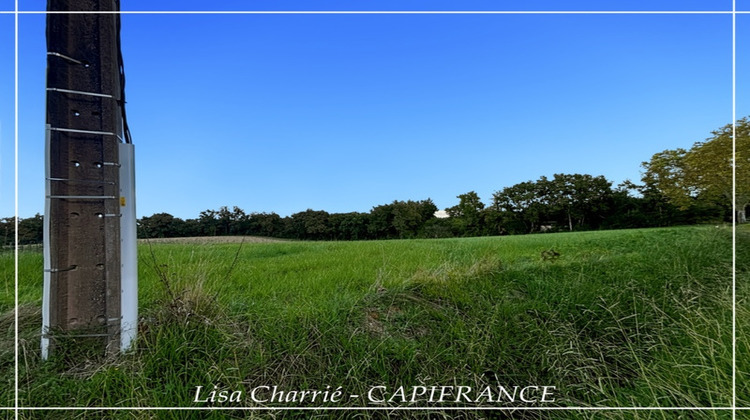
(344, 112)
(6, 115)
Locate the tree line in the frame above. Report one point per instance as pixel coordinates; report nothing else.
(566, 202)
(681, 186)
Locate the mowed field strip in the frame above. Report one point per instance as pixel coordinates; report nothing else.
(208, 240)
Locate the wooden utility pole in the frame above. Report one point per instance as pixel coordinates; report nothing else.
(82, 214)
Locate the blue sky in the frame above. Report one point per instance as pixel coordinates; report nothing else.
(7, 84)
(344, 112)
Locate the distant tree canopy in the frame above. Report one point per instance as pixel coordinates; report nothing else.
(700, 179)
(678, 187)
(30, 230)
(467, 215)
(566, 201)
(399, 219)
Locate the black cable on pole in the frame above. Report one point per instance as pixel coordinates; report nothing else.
(125, 128)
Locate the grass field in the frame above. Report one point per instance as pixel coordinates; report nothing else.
(619, 318)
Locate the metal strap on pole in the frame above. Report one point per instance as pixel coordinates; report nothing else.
(83, 197)
(80, 92)
(82, 181)
(72, 130)
(65, 57)
(60, 270)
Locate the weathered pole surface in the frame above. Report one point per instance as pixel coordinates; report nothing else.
(84, 123)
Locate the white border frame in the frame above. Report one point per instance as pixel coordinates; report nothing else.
(733, 407)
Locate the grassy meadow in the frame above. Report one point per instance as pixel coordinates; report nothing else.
(618, 318)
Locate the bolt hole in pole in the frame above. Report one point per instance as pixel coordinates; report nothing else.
(99, 215)
(76, 113)
(97, 165)
(76, 163)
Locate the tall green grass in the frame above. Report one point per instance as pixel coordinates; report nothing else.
(620, 318)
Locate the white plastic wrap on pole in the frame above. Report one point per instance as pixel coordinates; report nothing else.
(128, 248)
(46, 252)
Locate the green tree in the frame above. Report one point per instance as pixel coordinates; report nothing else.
(665, 172)
(467, 215)
(381, 223)
(31, 230)
(400, 219)
(209, 223)
(265, 224)
(709, 166)
(160, 225)
(310, 224)
(702, 175)
(410, 216)
(224, 221)
(521, 206)
(437, 228)
(581, 199)
(7, 230)
(349, 226)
